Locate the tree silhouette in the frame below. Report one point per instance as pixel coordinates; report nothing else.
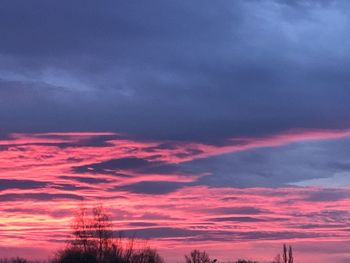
(93, 242)
(101, 227)
(82, 231)
(287, 254)
(291, 257)
(197, 256)
(146, 255)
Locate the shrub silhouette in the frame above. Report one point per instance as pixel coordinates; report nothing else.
(73, 255)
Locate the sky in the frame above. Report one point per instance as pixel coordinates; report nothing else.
(219, 125)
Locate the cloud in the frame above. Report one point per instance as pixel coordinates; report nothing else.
(38, 197)
(329, 195)
(151, 187)
(241, 219)
(141, 224)
(241, 210)
(160, 232)
(232, 102)
(88, 180)
(300, 163)
(21, 184)
(128, 64)
(129, 163)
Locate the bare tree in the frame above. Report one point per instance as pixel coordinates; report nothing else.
(129, 250)
(82, 230)
(93, 242)
(101, 227)
(285, 255)
(197, 256)
(146, 255)
(93, 235)
(290, 254)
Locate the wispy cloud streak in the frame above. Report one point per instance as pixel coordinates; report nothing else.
(44, 177)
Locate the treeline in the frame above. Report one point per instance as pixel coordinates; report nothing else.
(93, 241)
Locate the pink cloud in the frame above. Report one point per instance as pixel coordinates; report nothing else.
(218, 219)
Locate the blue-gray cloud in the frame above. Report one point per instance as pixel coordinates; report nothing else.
(115, 166)
(194, 70)
(6, 184)
(303, 164)
(38, 197)
(152, 187)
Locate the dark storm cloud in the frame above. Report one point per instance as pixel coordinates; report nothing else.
(198, 70)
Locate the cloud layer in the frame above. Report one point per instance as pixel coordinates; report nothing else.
(157, 190)
(185, 71)
(197, 122)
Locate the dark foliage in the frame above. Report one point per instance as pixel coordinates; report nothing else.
(14, 260)
(72, 255)
(197, 256)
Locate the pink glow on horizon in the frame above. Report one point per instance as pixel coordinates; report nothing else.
(204, 212)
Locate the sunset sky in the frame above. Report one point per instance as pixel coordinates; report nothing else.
(222, 125)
